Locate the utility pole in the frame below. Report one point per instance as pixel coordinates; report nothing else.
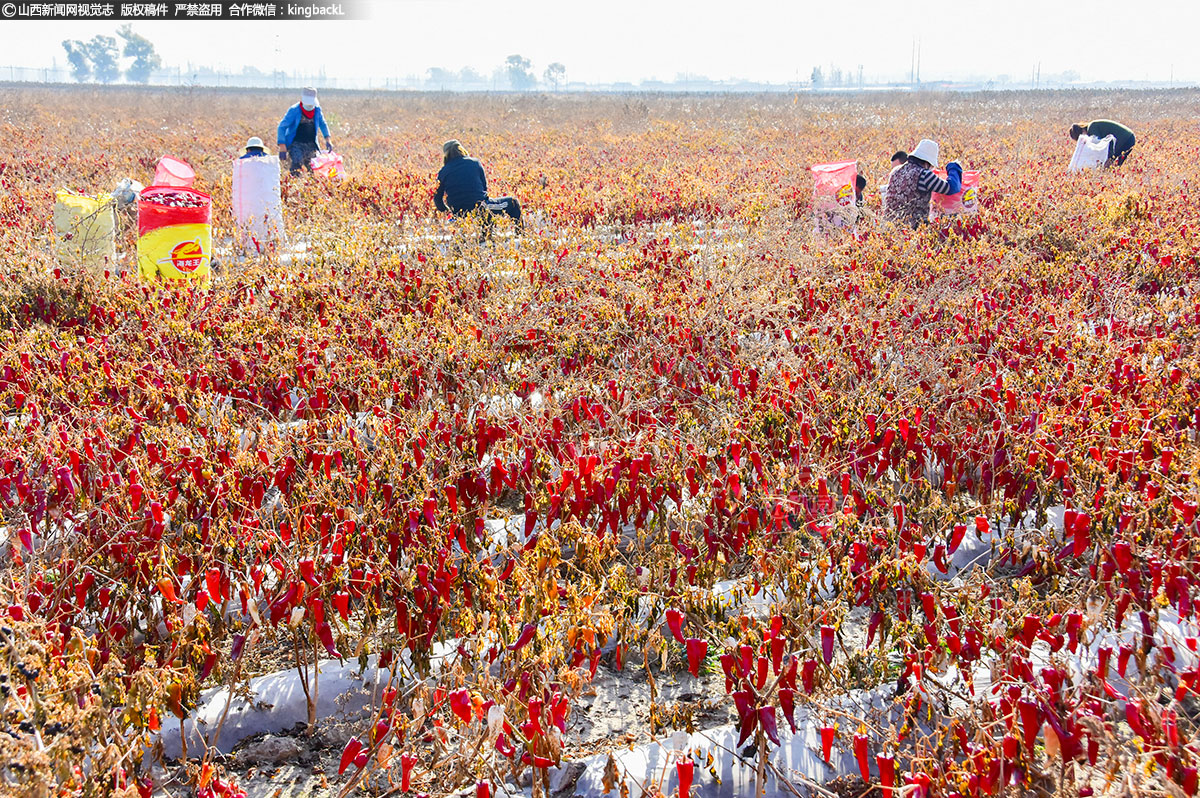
(918, 60)
(912, 63)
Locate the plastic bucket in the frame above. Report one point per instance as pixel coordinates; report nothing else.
(174, 233)
(173, 172)
(85, 230)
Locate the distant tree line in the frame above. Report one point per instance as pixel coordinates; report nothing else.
(99, 59)
(516, 71)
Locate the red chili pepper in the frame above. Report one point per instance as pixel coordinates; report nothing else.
(527, 633)
(827, 734)
(808, 675)
(861, 754)
(1031, 723)
(1133, 716)
(745, 660)
(685, 771)
(956, 537)
(325, 635)
(167, 588)
(308, 571)
(827, 643)
(748, 724)
(1123, 655)
(349, 753)
(939, 558)
(887, 773)
(1123, 554)
(787, 702)
(406, 768)
(460, 704)
(876, 619)
(929, 606)
(675, 623)
(1033, 625)
(766, 719)
(696, 651)
(212, 580)
(341, 603)
(743, 702)
(1082, 532)
(761, 678)
(1191, 780)
(504, 747)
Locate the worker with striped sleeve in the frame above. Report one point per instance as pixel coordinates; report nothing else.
(912, 185)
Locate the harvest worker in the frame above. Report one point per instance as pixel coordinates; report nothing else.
(297, 134)
(912, 185)
(1123, 137)
(899, 158)
(462, 186)
(254, 148)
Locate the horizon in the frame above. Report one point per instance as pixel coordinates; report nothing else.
(631, 44)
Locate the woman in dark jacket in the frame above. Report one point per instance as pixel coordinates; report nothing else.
(462, 186)
(1123, 138)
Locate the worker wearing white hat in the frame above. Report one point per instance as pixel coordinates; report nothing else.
(297, 134)
(254, 148)
(912, 185)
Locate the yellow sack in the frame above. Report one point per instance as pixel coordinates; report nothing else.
(177, 252)
(174, 234)
(85, 230)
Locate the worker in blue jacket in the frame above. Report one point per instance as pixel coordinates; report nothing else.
(297, 134)
(462, 186)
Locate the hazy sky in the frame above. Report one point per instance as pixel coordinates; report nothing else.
(632, 40)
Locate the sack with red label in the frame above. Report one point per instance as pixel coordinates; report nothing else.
(965, 201)
(328, 164)
(833, 193)
(174, 233)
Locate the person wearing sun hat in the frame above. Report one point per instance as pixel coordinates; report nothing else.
(297, 134)
(913, 184)
(254, 148)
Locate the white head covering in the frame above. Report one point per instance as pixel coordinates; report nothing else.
(308, 98)
(927, 150)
